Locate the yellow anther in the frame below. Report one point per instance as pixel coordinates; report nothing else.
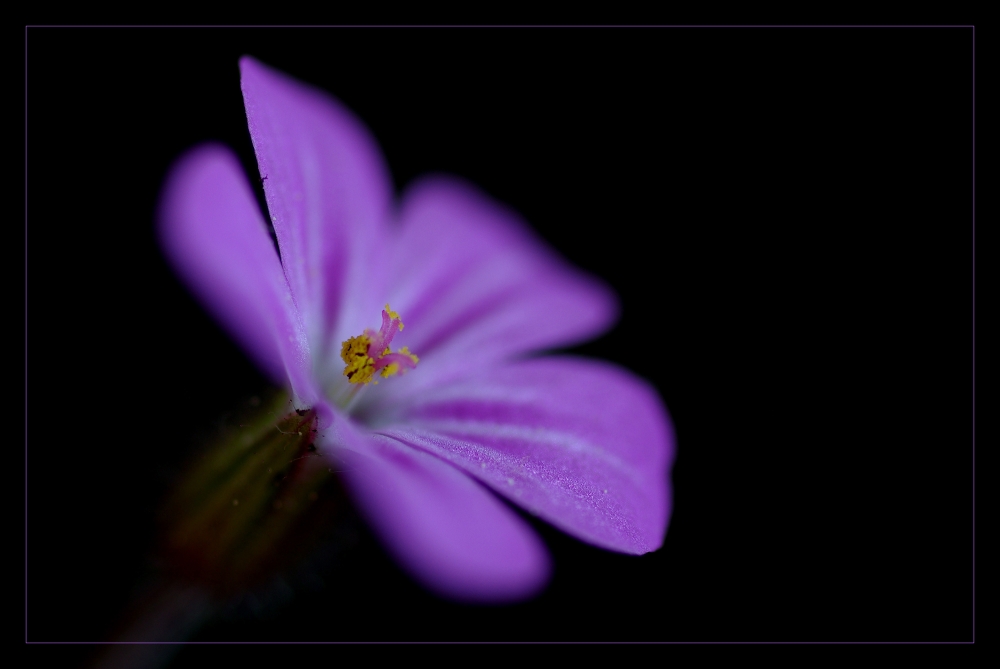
(360, 366)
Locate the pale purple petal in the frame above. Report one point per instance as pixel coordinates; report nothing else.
(329, 195)
(451, 533)
(213, 233)
(583, 444)
(475, 285)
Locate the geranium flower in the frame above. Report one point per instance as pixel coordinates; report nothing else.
(433, 423)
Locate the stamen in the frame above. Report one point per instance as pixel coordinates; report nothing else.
(354, 352)
(370, 352)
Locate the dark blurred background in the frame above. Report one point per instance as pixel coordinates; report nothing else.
(785, 213)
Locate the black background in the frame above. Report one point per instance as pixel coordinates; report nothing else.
(786, 215)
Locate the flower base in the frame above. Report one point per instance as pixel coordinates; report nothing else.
(252, 504)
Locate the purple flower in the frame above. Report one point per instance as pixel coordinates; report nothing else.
(461, 415)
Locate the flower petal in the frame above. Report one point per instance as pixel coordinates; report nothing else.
(329, 196)
(452, 534)
(584, 445)
(213, 233)
(475, 285)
